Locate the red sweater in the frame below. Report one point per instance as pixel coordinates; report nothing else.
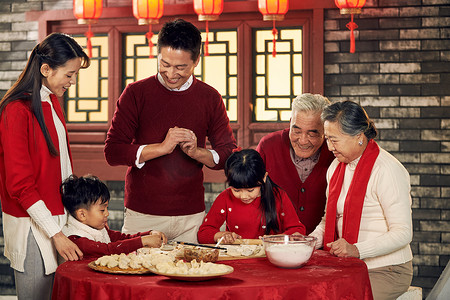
(28, 172)
(120, 243)
(308, 197)
(169, 185)
(247, 220)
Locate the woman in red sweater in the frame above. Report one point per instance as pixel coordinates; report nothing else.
(252, 206)
(34, 159)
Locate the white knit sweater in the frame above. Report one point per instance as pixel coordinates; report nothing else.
(386, 222)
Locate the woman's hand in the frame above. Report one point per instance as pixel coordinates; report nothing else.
(66, 248)
(342, 248)
(228, 237)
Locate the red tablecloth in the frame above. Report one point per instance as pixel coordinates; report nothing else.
(324, 277)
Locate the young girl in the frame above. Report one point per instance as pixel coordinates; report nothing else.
(86, 199)
(252, 206)
(34, 159)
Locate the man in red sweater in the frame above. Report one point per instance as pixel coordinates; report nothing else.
(159, 130)
(297, 158)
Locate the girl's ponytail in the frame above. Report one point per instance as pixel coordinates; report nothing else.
(268, 205)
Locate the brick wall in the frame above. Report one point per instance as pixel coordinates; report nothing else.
(399, 73)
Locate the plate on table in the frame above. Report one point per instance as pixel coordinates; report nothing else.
(193, 277)
(117, 270)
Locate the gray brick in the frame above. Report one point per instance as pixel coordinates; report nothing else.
(435, 135)
(442, 89)
(389, 146)
(24, 7)
(399, 67)
(431, 248)
(435, 112)
(433, 2)
(400, 23)
(379, 57)
(379, 101)
(445, 147)
(12, 17)
(360, 90)
(419, 123)
(5, 46)
(445, 55)
(9, 75)
(16, 55)
(359, 68)
(24, 26)
(373, 112)
(445, 169)
(406, 157)
(436, 203)
(445, 101)
(400, 45)
(331, 47)
(444, 33)
(422, 169)
(435, 180)
(434, 44)
(363, 24)
(339, 35)
(445, 215)
(387, 3)
(400, 112)
(419, 34)
(422, 191)
(341, 79)
(446, 193)
(430, 271)
(439, 226)
(332, 91)
(57, 5)
(419, 78)
(419, 146)
(13, 36)
(418, 11)
(331, 25)
(426, 236)
(23, 45)
(332, 69)
(414, 180)
(427, 260)
(435, 158)
(5, 7)
(436, 67)
(340, 57)
(380, 12)
(380, 34)
(361, 46)
(418, 56)
(445, 237)
(400, 90)
(386, 123)
(420, 101)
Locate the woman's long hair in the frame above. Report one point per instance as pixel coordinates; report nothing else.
(55, 50)
(246, 169)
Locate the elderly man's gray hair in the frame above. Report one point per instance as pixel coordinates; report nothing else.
(310, 102)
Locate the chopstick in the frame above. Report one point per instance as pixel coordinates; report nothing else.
(199, 245)
(219, 241)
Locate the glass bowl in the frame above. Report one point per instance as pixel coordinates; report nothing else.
(289, 251)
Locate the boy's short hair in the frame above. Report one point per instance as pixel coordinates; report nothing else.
(82, 192)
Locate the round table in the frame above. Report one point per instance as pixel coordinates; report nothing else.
(324, 277)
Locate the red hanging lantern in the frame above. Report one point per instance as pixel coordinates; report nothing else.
(350, 7)
(273, 10)
(208, 10)
(148, 12)
(88, 12)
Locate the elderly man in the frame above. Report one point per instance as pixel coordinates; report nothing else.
(159, 130)
(297, 158)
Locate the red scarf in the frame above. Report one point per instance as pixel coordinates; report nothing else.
(353, 201)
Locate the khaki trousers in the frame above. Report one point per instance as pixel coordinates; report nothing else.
(391, 281)
(178, 228)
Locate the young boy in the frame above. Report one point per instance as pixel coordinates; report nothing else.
(86, 198)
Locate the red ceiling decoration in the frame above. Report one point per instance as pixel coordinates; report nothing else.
(208, 10)
(148, 12)
(273, 10)
(350, 7)
(88, 12)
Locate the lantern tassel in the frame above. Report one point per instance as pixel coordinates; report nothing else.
(207, 40)
(149, 36)
(352, 26)
(274, 32)
(89, 35)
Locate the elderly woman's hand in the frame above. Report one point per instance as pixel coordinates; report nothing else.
(342, 248)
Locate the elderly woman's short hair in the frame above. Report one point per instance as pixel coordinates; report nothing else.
(351, 117)
(310, 102)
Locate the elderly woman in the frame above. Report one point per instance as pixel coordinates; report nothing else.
(368, 212)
